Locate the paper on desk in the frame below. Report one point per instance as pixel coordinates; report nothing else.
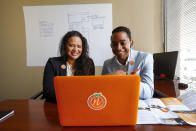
(142, 104)
(152, 111)
(190, 118)
(189, 99)
(174, 104)
(146, 117)
(165, 117)
(178, 108)
(155, 102)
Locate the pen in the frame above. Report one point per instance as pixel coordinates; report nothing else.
(132, 73)
(146, 108)
(187, 112)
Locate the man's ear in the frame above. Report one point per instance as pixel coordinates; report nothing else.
(132, 42)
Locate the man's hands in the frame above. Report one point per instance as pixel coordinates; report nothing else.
(117, 72)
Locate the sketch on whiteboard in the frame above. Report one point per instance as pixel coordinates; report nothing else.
(46, 28)
(97, 22)
(84, 22)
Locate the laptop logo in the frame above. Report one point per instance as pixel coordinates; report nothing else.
(97, 101)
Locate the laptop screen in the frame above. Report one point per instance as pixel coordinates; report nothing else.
(165, 63)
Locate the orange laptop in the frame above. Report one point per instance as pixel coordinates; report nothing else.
(97, 100)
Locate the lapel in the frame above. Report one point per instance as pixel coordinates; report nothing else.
(63, 69)
(131, 62)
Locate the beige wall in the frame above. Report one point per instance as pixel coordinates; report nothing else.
(17, 80)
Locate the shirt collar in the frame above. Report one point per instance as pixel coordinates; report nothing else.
(128, 59)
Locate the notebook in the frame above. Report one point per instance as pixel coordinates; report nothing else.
(97, 100)
(5, 114)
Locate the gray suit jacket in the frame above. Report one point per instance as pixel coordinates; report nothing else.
(140, 63)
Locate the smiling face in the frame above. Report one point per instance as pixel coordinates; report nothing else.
(121, 45)
(74, 48)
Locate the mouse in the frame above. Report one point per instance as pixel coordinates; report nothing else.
(182, 85)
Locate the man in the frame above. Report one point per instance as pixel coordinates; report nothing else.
(130, 62)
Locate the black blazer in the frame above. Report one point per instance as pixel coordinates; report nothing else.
(52, 69)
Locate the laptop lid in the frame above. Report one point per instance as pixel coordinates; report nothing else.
(97, 100)
(165, 63)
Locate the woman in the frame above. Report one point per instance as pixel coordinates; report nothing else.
(74, 61)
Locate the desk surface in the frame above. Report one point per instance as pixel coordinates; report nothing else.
(166, 88)
(40, 115)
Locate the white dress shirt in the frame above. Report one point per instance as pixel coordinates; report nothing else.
(70, 71)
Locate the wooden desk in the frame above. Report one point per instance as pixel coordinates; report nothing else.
(166, 88)
(40, 115)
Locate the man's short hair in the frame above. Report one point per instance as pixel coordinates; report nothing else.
(122, 29)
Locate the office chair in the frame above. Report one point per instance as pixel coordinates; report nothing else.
(38, 95)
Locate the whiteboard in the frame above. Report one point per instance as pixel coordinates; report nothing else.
(46, 25)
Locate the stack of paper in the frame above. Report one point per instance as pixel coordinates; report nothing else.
(164, 111)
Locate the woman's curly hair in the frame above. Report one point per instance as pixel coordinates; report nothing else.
(83, 65)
